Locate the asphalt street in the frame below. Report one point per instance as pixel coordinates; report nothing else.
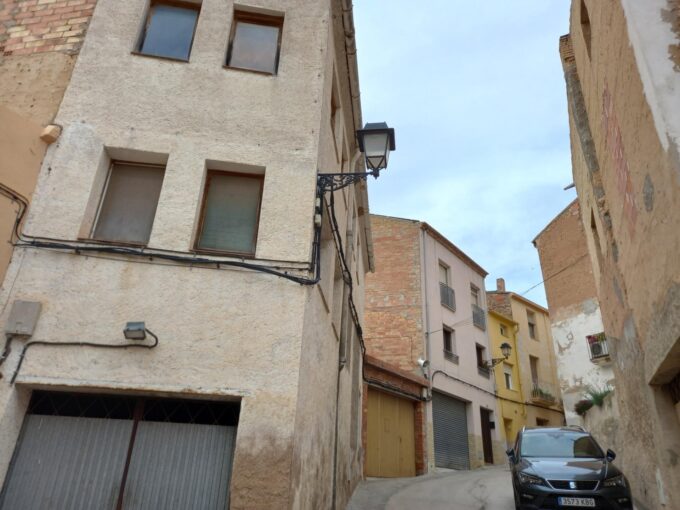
(482, 489)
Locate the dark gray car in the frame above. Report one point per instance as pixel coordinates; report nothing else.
(565, 468)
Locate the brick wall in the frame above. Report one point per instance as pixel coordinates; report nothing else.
(499, 302)
(39, 26)
(566, 267)
(393, 318)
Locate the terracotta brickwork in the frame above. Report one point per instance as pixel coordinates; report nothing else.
(565, 264)
(39, 26)
(499, 302)
(394, 321)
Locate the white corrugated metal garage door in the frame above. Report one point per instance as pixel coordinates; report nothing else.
(76, 451)
(450, 432)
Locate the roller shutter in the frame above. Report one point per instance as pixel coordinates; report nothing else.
(450, 432)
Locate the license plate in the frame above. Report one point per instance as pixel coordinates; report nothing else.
(586, 502)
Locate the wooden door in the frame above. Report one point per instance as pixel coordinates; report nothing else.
(390, 442)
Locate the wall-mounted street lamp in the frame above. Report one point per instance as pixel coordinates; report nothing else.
(506, 349)
(376, 141)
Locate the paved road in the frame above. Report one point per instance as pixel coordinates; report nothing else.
(482, 489)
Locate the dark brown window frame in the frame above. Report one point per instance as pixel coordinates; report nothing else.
(260, 19)
(91, 238)
(173, 3)
(204, 199)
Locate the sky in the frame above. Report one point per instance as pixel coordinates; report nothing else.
(476, 94)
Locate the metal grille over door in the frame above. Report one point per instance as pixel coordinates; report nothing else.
(85, 452)
(450, 432)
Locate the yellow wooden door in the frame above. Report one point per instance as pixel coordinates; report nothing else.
(390, 441)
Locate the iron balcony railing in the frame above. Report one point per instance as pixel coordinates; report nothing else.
(484, 371)
(479, 316)
(598, 347)
(447, 296)
(543, 392)
(451, 356)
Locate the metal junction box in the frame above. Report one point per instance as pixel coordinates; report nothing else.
(23, 318)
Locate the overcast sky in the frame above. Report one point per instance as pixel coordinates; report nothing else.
(476, 94)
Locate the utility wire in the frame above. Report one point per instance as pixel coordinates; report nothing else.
(555, 274)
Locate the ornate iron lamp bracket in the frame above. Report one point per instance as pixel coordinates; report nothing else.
(333, 182)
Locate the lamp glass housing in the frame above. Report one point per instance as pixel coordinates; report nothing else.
(376, 141)
(135, 331)
(506, 349)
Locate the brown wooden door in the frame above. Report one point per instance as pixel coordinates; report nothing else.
(486, 436)
(390, 441)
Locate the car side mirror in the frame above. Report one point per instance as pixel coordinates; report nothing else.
(610, 455)
(511, 455)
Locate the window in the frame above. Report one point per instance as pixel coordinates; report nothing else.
(447, 296)
(230, 214)
(450, 345)
(507, 373)
(255, 42)
(443, 274)
(169, 30)
(533, 362)
(531, 319)
(128, 205)
(474, 294)
(504, 330)
(336, 124)
(480, 355)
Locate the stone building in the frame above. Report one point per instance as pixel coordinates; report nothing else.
(425, 316)
(581, 347)
(535, 353)
(39, 43)
(182, 192)
(621, 61)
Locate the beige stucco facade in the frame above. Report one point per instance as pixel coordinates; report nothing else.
(621, 69)
(225, 333)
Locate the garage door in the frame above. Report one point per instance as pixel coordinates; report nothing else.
(390, 441)
(450, 432)
(84, 452)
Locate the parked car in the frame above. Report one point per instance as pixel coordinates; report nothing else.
(562, 468)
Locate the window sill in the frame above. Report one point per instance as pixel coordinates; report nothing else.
(160, 57)
(246, 70)
(453, 309)
(106, 242)
(221, 253)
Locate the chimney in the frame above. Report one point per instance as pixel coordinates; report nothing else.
(500, 285)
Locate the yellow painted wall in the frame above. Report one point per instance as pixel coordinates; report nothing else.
(510, 401)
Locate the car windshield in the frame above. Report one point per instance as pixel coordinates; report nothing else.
(559, 444)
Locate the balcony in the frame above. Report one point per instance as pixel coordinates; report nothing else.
(543, 393)
(484, 371)
(598, 348)
(447, 296)
(451, 356)
(479, 317)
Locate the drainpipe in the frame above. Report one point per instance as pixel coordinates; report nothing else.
(423, 275)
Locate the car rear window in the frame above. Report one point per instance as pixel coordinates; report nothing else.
(559, 444)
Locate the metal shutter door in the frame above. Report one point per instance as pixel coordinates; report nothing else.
(176, 466)
(450, 432)
(67, 463)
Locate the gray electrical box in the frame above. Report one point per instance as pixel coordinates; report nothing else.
(23, 318)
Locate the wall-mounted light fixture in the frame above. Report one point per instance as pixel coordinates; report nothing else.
(376, 141)
(506, 350)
